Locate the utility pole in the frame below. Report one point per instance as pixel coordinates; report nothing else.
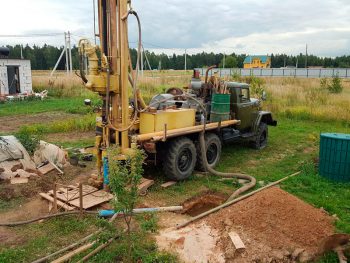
(21, 51)
(306, 57)
(223, 62)
(94, 8)
(70, 54)
(66, 49)
(185, 59)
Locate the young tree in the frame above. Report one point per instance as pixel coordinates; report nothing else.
(125, 176)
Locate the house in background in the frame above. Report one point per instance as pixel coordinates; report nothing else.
(15, 75)
(257, 62)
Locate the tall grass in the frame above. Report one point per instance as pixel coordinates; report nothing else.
(307, 99)
(60, 85)
(294, 98)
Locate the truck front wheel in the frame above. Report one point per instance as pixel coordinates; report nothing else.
(260, 141)
(180, 159)
(213, 145)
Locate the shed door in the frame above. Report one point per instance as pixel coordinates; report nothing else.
(13, 79)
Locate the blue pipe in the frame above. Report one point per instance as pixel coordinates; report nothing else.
(109, 213)
(105, 171)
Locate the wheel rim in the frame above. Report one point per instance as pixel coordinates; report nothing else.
(212, 153)
(184, 160)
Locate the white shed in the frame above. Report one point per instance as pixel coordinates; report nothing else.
(15, 76)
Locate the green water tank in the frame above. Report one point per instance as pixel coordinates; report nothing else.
(335, 156)
(220, 107)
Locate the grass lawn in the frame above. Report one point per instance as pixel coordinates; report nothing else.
(293, 146)
(69, 105)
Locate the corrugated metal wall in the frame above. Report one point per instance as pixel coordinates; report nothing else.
(286, 72)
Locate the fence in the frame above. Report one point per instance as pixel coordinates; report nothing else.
(282, 72)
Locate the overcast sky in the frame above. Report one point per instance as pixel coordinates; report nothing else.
(240, 26)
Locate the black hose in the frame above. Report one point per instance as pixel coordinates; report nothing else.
(47, 217)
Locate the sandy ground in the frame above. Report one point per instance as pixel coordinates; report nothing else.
(274, 225)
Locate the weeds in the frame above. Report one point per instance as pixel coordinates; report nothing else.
(83, 123)
(148, 222)
(29, 139)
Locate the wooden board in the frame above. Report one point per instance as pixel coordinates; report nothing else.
(144, 185)
(72, 192)
(168, 184)
(19, 180)
(237, 242)
(59, 203)
(93, 199)
(46, 168)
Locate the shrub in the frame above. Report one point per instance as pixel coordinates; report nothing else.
(336, 85)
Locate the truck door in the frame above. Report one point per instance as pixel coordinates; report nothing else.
(244, 109)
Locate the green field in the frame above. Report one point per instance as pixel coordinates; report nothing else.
(293, 146)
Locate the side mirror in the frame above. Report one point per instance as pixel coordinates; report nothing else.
(263, 95)
(87, 102)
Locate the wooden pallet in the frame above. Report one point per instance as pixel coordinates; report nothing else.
(71, 192)
(92, 199)
(68, 197)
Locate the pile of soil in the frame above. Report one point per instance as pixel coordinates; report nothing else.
(274, 225)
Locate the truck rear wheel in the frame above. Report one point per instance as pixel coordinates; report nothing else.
(214, 146)
(180, 159)
(260, 141)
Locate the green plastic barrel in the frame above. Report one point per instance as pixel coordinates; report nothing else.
(335, 156)
(220, 107)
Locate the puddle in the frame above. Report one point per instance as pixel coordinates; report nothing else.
(202, 203)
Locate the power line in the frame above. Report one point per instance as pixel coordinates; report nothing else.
(35, 35)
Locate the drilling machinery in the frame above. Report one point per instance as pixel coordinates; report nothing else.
(168, 128)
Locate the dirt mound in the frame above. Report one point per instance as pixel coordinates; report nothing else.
(274, 225)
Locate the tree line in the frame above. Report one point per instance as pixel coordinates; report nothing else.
(45, 57)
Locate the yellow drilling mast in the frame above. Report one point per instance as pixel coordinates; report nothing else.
(108, 74)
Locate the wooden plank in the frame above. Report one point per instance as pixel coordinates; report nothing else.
(19, 180)
(71, 192)
(59, 203)
(46, 168)
(237, 242)
(58, 169)
(144, 185)
(93, 199)
(168, 184)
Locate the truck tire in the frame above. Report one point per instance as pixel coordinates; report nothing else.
(260, 141)
(180, 159)
(214, 146)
